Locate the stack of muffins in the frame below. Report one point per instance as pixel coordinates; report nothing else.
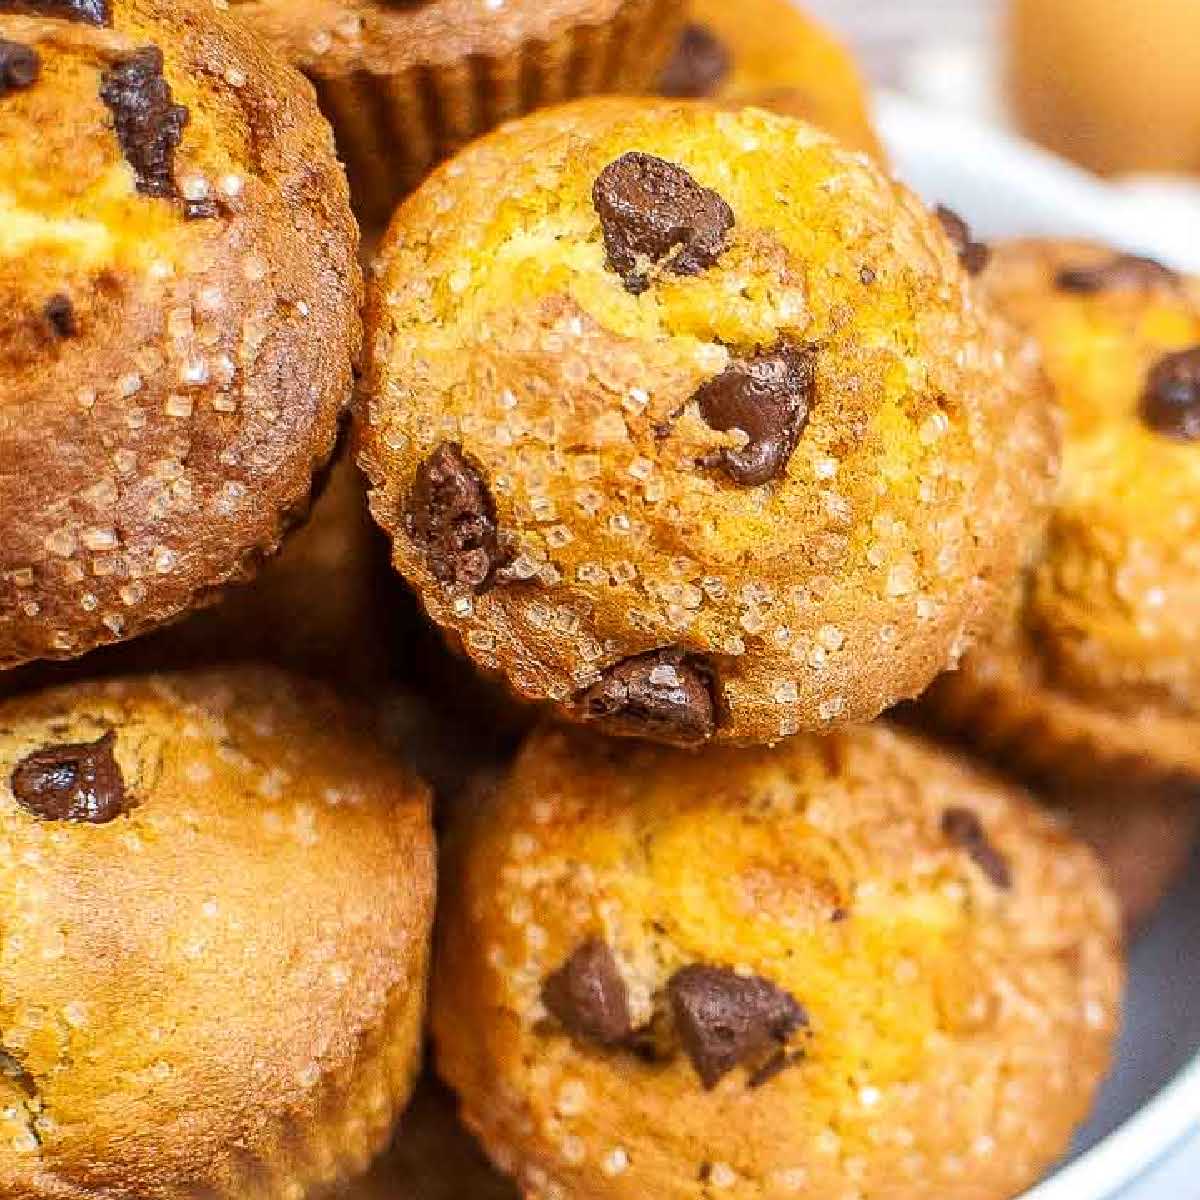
(703, 444)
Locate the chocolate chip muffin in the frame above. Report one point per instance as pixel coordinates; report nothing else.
(688, 421)
(216, 897)
(405, 84)
(851, 965)
(178, 314)
(1097, 673)
(772, 54)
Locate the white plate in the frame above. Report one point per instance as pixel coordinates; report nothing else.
(1005, 187)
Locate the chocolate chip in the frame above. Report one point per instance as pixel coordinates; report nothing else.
(81, 783)
(866, 276)
(768, 397)
(60, 316)
(652, 211)
(20, 67)
(974, 254)
(964, 829)
(197, 210)
(451, 514)
(666, 695)
(149, 125)
(1122, 272)
(727, 1020)
(780, 1061)
(1171, 401)
(91, 12)
(588, 996)
(698, 67)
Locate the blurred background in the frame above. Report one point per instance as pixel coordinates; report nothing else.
(1112, 84)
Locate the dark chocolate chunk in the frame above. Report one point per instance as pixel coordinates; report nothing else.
(665, 694)
(698, 67)
(652, 211)
(974, 254)
(780, 1061)
(60, 316)
(452, 515)
(90, 12)
(148, 124)
(726, 1020)
(1171, 401)
(588, 996)
(768, 397)
(81, 783)
(20, 67)
(964, 829)
(1122, 272)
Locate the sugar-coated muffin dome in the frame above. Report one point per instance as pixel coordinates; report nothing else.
(178, 314)
(847, 966)
(216, 897)
(1099, 666)
(690, 422)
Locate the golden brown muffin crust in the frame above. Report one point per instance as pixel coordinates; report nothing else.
(1102, 660)
(169, 382)
(954, 952)
(508, 361)
(219, 991)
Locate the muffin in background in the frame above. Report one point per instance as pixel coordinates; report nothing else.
(772, 54)
(1112, 85)
(852, 964)
(687, 421)
(1145, 840)
(216, 895)
(178, 316)
(406, 85)
(1095, 676)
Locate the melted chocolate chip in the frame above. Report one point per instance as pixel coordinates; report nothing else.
(451, 514)
(964, 829)
(666, 695)
(726, 1020)
(974, 254)
(148, 124)
(91, 12)
(60, 316)
(768, 398)
(80, 783)
(654, 211)
(698, 67)
(1122, 272)
(1171, 401)
(588, 996)
(20, 67)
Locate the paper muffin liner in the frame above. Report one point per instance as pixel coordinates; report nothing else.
(392, 129)
(1058, 742)
(352, 1114)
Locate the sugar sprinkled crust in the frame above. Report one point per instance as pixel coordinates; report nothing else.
(538, 388)
(178, 319)
(1096, 669)
(954, 1019)
(220, 990)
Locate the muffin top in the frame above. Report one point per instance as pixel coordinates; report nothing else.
(648, 376)
(335, 37)
(850, 964)
(773, 54)
(178, 314)
(213, 892)
(1109, 613)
